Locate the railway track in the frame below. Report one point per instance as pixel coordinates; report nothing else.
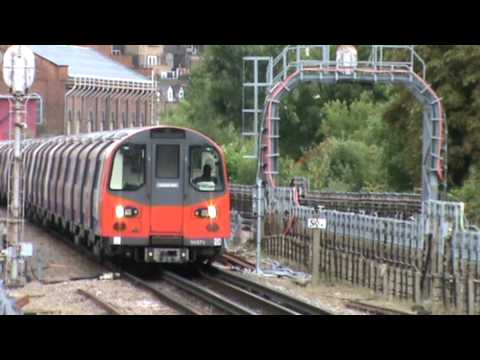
(380, 204)
(163, 295)
(374, 310)
(166, 296)
(229, 293)
(229, 298)
(279, 298)
(109, 308)
(230, 259)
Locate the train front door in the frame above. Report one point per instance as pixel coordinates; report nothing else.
(166, 218)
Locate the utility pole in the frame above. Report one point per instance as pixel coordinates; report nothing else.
(18, 73)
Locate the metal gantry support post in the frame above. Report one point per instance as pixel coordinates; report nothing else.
(259, 224)
(14, 217)
(290, 69)
(19, 73)
(253, 85)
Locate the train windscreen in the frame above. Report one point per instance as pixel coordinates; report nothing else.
(128, 173)
(206, 170)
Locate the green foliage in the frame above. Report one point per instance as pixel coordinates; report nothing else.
(454, 73)
(240, 170)
(469, 193)
(215, 88)
(347, 137)
(350, 159)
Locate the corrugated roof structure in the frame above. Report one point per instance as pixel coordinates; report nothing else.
(84, 62)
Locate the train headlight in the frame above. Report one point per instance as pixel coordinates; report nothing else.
(120, 212)
(212, 212)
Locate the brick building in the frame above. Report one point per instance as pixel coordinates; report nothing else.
(168, 65)
(160, 58)
(80, 89)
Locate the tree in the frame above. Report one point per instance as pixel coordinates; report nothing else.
(454, 74)
(350, 158)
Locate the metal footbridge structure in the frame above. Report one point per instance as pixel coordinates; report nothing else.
(268, 80)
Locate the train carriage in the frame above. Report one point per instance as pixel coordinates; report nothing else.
(156, 195)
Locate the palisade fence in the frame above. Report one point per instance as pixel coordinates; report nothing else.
(433, 257)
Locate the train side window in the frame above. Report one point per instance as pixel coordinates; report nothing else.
(167, 159)
(206, 169)
(128, 172)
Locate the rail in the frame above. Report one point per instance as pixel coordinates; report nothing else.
(394, 244)
(230, 307)
(167, 297)
(110, 309)
(171, 300)
(374, 309)
(259, 304)
(265, 292)
(390, 205)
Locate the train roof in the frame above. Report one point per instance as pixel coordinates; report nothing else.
(112, 135)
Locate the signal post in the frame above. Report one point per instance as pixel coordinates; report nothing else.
(18, 74)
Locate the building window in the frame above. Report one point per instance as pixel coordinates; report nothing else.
(170, 94)
(192, 49)
(152, 61)
(181, 94)
(38, 101)
(117, 49)
(169, 60)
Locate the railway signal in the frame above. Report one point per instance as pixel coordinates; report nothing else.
(18, 74)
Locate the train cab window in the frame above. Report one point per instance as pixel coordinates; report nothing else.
(128, 172)
(167, 162)
(206, 170)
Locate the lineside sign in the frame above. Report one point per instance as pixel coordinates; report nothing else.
(317, 224)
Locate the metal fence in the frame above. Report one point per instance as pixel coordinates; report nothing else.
(392, 205)
(434, 256)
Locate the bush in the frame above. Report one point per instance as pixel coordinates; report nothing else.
(469, 194)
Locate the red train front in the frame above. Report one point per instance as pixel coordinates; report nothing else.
(165, 197)
(155, 195)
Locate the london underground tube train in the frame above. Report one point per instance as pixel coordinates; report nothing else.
(154, 195)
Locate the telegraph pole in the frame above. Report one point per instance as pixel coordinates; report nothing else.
(18, 73)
